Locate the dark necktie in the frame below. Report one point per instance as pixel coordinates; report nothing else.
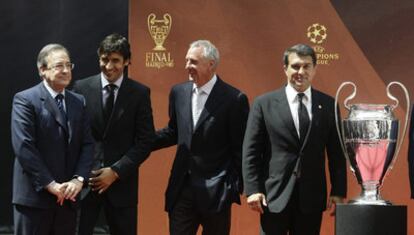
(303, 118)
(109, 102)
(59, 101)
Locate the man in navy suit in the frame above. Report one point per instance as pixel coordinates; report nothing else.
(53, 146)
(288, 132)
(122, 126)
(207, 123)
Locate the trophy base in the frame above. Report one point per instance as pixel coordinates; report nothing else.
(370, 220)
(370, 195)
(365, 201)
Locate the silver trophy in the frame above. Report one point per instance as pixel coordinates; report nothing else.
(370, 138)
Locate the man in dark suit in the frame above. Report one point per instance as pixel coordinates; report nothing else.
(288, 132)
(411, 155)
(207, 123)
(122, 126)
(53, 146)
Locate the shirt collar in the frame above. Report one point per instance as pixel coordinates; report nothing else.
(291, 93)
(105, 82)
(206, 88)
(52, 92)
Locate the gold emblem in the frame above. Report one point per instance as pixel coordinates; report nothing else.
(317, 33)
(159, 30)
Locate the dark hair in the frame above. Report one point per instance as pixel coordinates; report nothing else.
(115, 43)
(301, 50)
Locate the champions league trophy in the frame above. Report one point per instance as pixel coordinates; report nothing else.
(370, 138)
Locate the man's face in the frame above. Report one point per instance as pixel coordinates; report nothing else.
(113, 65)
(58, 72)
(200, 69)
(300, 71)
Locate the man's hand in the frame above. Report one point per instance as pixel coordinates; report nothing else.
(57, 190)
(255, 202)
(103, 178)
(73, 188)
(333, 200)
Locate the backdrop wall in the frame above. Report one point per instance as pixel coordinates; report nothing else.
(367, 42)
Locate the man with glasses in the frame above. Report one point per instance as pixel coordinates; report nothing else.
(123, 129)
(53, 146)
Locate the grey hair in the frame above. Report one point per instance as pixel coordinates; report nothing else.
(46, 51)
(209, 50)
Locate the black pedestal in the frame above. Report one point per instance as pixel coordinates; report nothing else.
(370, 220)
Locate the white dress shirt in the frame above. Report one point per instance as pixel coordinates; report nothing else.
(199, 97)
(105, 92)
(53, 93)
(292, 97)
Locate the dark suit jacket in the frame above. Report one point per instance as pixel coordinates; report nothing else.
(46, 148)
(211, 151)
(272, 148)
(126, 141)
(411, 153)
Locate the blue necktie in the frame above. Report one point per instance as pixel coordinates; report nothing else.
(59, 101)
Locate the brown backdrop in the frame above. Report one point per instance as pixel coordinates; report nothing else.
(366, 43)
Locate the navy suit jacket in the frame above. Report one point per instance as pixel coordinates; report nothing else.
(210, 153)
(125, 142)
(273, 155)
(47, 148)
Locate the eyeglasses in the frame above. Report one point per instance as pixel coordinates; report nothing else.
(61, 67)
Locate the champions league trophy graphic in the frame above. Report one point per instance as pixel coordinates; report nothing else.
(159, 30)
(370, 138)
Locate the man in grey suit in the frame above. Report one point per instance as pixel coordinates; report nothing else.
(122, 126)
(53, 146)
(288, 132)
(207, 123)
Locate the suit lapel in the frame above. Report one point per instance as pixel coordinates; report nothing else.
(51, 106)
(70, 107)
(213, 101)
(121, 101)
(317, 108)
(283, 109)
(183, 107)
(316, 115)
(121, 104)
(95, 101)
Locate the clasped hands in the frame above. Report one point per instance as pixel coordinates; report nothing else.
(65, 191)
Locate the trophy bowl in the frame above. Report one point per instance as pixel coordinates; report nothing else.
(370, 138)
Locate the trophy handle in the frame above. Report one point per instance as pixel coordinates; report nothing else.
(340, 131)
(407, 97)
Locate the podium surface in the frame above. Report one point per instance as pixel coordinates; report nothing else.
(353, 219)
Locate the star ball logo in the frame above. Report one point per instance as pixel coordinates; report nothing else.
(318, 34)
(159, 30)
